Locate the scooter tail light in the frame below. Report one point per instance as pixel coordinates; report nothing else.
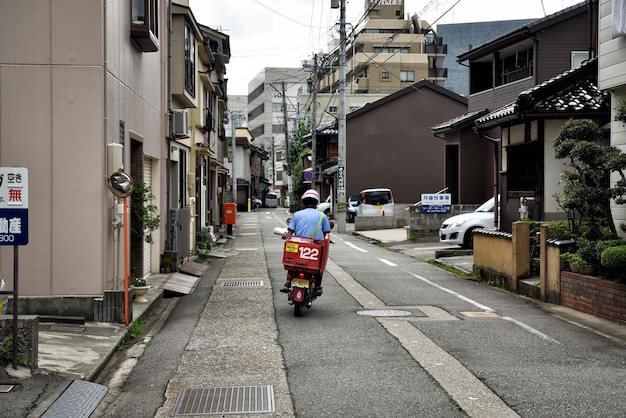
(301, 276)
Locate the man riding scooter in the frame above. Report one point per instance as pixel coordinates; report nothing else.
(311, 223)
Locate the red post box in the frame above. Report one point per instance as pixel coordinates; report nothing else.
(230, 213)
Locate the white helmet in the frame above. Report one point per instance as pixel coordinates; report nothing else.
(311, 194)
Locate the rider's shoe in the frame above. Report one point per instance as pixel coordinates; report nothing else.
(318, 292)
(286, 287)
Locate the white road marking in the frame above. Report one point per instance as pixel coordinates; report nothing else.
(349, 244)
(530, 329)
(452, 292)
(389, 263)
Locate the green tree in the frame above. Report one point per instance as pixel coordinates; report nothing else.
(587, 191)
(298, 148)
(144, 214)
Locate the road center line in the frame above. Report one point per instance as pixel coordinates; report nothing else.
(349, 244)
(389, 263)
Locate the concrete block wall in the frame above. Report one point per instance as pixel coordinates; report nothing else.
(27, 335)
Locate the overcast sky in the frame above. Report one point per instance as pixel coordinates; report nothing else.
(283, 33)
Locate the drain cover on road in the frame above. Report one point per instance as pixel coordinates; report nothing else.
(384, 312)
(225, 400)
(78, 400)
(243, 283)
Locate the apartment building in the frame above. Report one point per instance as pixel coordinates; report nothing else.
(273, 110)
(388, 53)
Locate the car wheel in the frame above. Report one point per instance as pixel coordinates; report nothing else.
(468, 238)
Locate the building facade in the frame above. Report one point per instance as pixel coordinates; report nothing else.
(273, 110)
(108, 94)
(612, 75)
(387, 53)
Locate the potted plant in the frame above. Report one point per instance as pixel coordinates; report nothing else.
(140, 288)
(204, 241)
(577, 264)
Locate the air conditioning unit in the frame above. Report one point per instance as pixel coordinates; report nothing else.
(180, 123)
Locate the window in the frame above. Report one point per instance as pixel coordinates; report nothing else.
(332, 109)
(144, 26)
(278, 128)
(384, 75)
(208, 110)
(257, 111)
(524, 168)
(516, 66)
(277, 107)
(190, 60)
(407, 75)
(578, 57)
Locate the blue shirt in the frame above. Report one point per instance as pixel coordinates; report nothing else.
(305, 221)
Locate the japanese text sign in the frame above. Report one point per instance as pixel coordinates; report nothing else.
(13, 206)
(436, 203)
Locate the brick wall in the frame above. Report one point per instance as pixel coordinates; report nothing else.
(594, 296)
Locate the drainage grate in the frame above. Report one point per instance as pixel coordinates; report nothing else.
(243, 283)
(78, 400)
(225, 400)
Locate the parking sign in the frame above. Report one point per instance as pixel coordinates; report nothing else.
(13, 206)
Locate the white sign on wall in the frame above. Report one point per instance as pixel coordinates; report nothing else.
(13, 206)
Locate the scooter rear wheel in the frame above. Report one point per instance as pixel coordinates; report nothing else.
(297, 308)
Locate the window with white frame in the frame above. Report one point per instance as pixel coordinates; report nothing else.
(407, 75)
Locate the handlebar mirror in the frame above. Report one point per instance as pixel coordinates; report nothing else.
(121, 184)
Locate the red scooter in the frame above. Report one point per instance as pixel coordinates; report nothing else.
(305, 260)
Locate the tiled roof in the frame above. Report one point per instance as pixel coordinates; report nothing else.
(569, 92)
(459, 121)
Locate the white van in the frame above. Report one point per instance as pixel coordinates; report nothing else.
(375, 202)
(271, 200)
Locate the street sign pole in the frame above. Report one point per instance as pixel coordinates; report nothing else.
(14, 228)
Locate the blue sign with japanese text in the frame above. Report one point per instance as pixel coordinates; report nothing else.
(13, 206)
(436, 203)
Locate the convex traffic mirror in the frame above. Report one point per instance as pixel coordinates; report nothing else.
(121, 184)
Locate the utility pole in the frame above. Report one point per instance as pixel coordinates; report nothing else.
(341, 124)
(314, 124)
(291, 202)
(233, 150)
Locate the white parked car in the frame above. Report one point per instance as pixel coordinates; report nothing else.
(459, 229)
(326, 206)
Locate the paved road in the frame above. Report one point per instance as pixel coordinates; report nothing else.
(391, 336)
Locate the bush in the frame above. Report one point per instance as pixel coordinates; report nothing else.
(613, 261)
(560, 230)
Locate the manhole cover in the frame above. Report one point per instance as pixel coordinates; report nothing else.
(384, 312)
